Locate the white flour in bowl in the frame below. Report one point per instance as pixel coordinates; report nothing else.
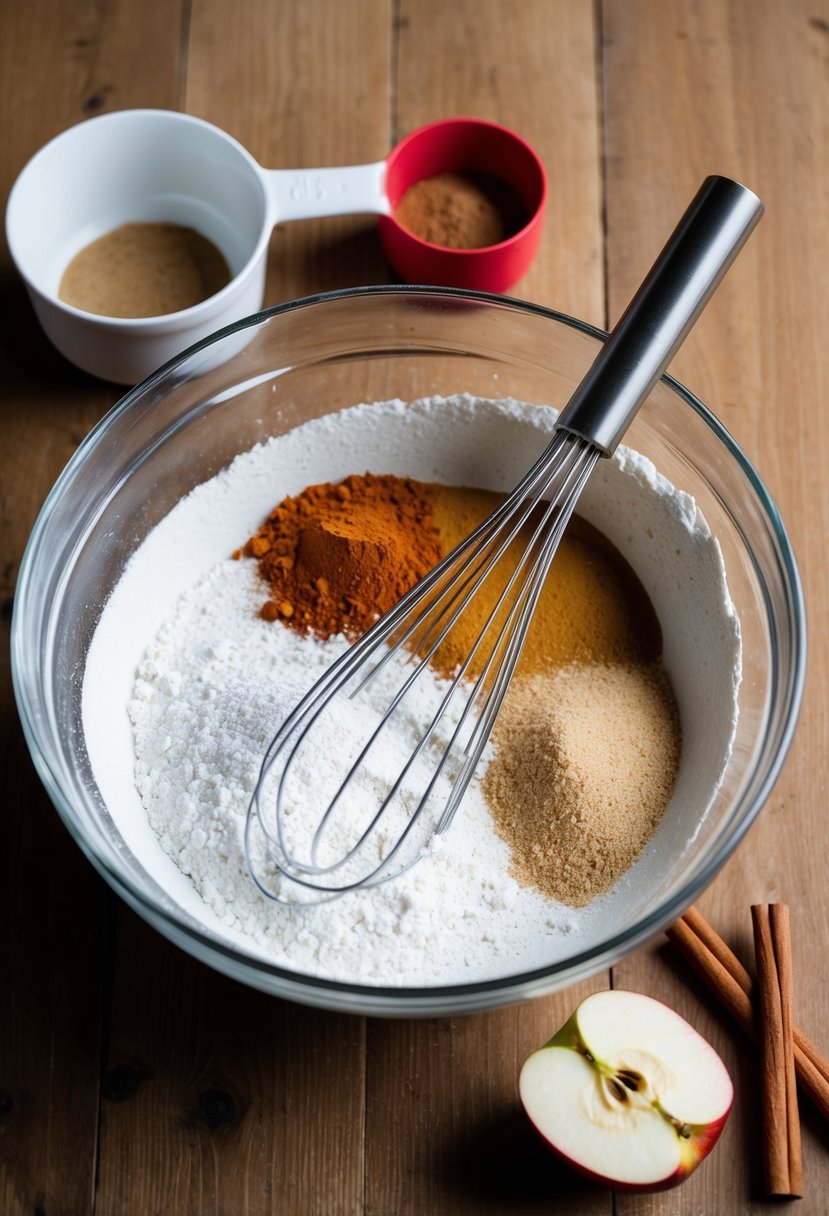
(214, 681)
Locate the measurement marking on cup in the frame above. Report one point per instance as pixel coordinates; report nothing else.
(306, 187)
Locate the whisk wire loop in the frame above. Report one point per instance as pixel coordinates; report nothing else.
(697, 255)
(432, 609)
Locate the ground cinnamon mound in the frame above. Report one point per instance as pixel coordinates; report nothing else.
(338, 556)
(461, 210)
(588, 739)
(585, 764)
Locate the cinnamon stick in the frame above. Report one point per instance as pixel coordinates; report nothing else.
(718, 948)
(781, 1124)
(782, 941)
(728, 979)
(719, 978)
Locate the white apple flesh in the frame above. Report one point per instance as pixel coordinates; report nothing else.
(627, 1092)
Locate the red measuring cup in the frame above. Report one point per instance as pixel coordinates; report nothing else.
(464, 145)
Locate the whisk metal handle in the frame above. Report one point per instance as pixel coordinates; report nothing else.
(653, 326)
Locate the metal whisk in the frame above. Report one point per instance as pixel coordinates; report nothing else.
(396, 791)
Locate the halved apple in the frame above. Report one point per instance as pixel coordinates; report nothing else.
(627, 1092)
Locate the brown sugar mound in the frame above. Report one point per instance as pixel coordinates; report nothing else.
(338, 556)
(585, 764)
(144, 270)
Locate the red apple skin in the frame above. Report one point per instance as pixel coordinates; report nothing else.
(693, 1150)
(696, 1149)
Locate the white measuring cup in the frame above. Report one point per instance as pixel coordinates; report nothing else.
(138, 166)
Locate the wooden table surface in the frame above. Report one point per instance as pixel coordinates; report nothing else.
(135, 1080)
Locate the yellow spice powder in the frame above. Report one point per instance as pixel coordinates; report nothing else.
(588, 737)
(592, 608)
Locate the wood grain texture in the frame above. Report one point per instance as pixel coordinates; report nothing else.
(133, 1079)
(741, 88)
(444, 1129)
(58, 65)
(301, 83)
(217, 1099)
(531, 66)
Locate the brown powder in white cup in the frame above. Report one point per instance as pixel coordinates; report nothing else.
(144, 270)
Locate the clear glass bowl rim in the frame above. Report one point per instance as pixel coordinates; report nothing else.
(375, 999)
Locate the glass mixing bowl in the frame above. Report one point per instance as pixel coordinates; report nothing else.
(302, 360)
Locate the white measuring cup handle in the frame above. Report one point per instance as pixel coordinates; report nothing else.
(302, 194)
